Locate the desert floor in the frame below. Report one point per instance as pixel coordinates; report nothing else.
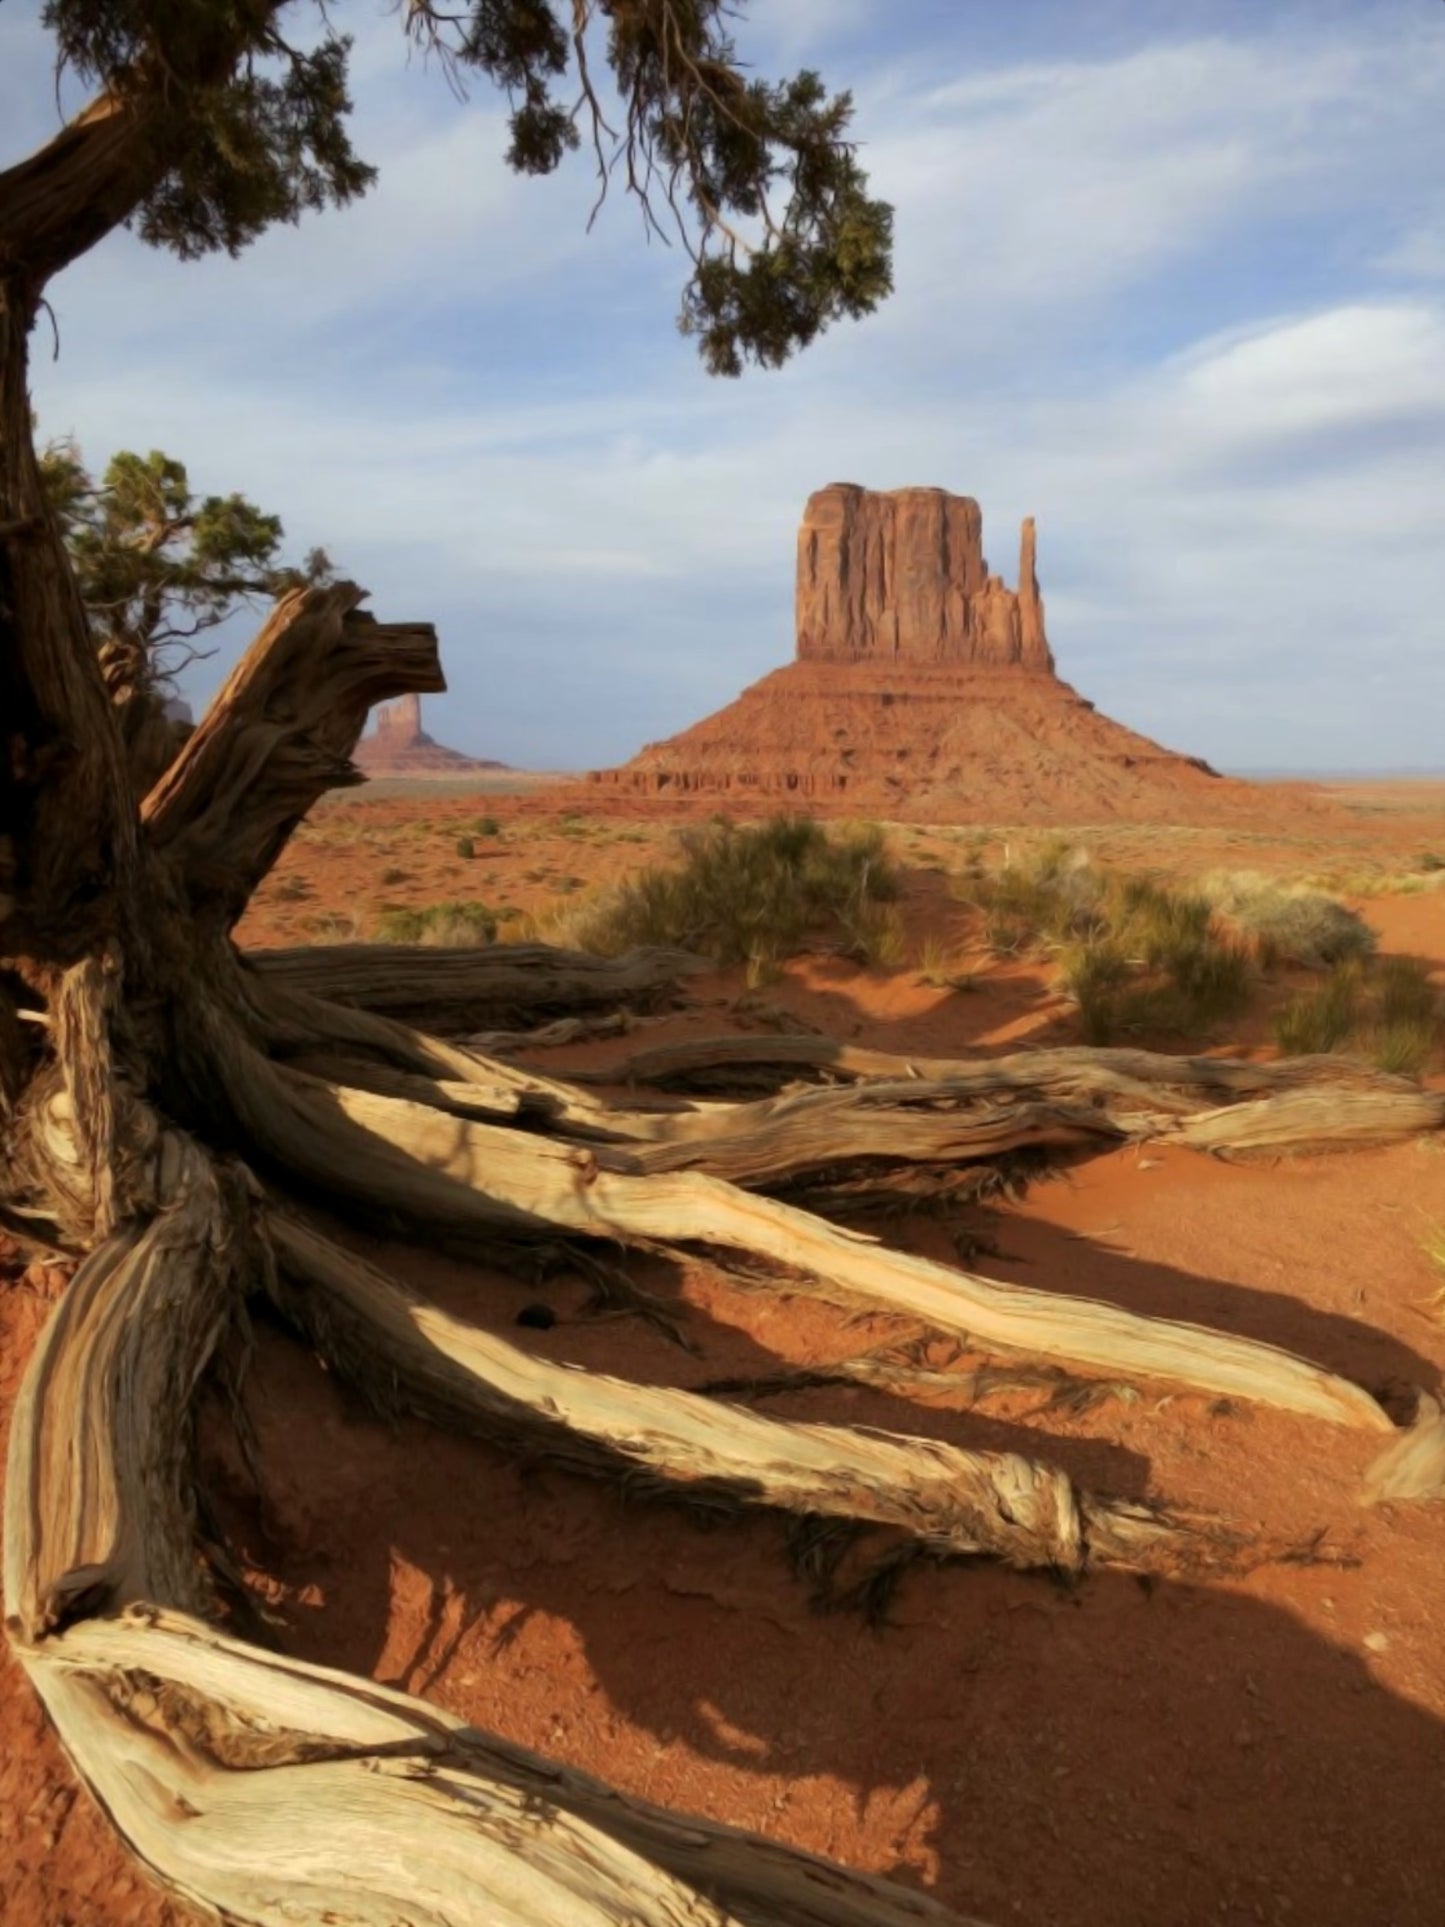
(1264, 1749)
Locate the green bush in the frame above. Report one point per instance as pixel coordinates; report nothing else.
(754, 895)
(458, 924)
(466, 847)
(487, 826)
(1135, 954)
(1393, 1012)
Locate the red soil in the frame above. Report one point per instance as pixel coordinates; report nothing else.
(1271, 1749)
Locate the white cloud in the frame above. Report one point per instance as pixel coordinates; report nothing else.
(1142, 297)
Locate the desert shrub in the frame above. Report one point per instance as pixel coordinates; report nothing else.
(754, 894)
(466, 847)
(1392, 1011)
(393, 875)
(1134, 953)
(1094, 972)
(1326, 1017)
(1290, 923)
(938, 966)
(487, 826)
(454, 923)
(1431, 860)
(1409, 1015)
(1048, 898)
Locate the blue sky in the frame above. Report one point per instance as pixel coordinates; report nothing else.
(1171, 277)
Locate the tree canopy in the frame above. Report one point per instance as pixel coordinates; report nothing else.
(240, 123)
(157, 565)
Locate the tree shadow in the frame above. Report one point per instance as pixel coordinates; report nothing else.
(1104, 1752)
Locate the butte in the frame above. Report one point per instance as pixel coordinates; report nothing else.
(399, 746)
(922, 688)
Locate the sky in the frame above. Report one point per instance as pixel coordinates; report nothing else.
(1170, 277)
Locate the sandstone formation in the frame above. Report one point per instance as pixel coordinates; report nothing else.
(399, 746)
(923, 687)
(900, 577)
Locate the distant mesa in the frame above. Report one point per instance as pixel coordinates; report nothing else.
(923, 687)
(399, 746)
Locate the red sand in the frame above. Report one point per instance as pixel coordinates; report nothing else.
(1267, 1750)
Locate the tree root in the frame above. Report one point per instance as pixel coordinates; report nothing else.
(395, 1345)
(467, 989)
(428, 1168)
(267, 1790)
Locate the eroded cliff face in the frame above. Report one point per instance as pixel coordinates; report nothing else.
(899, 576)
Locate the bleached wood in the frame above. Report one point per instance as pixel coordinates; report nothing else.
(276, 1793)
(277, 737)
(950, 1499)
(463, 988)
(452, 1172)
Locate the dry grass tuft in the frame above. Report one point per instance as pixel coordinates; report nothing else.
(1134, 954)
(1391, 1011)
(1289, 923)
(454, 924)
(754, 895)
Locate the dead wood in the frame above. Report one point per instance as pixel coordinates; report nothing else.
(397, 1347)
(1075, 1069)
(434, 1170)
(257, 1787)
(461, 989)
(279, 735)
(1313, 1118)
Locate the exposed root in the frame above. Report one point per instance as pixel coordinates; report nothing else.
(427, 1168)
(1076, 1070)
(678, 1444)
(259, 1788)
(468, 989)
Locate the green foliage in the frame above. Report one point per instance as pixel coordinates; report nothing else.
(758, 179)
(1431, 861)
(466, 847)
(250, 129)
(1134, 954)
(157, 565)
(455, 923)
(1390, 1010)
(487, 826)
(755, 895)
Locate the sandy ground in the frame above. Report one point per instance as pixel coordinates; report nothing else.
(1268, 1749)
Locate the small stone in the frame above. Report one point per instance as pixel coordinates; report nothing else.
(1377, 1642)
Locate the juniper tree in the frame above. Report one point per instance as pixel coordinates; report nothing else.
(165, 1102)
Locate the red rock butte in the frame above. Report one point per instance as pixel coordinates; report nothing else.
(922, 688)
(399, 746)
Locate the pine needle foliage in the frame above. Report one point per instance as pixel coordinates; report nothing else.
(242, 108)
